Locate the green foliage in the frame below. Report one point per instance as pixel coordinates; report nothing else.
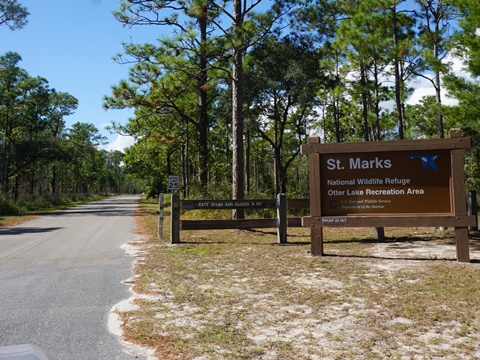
(28, 204)
(215, 190)
(8, 207)
(281, 78)
(149, 160)
(422, 119)
(12, 14)
(472, 173)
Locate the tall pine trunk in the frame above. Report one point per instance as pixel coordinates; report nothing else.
(238, 181)
(438, 94)
(398, 80)
(202, 102)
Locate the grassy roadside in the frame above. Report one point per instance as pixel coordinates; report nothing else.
(238, 295)
(35, 209)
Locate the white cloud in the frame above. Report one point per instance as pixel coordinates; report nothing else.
(120, 143)
(459, 67)
(423, 87)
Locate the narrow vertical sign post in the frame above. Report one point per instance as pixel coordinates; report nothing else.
(175, 220)
(160, 214)
(174, 186)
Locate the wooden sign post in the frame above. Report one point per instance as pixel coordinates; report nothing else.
(405, 183)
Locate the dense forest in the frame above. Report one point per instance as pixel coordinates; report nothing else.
(40, 157)
(226, 99)
(228, 95)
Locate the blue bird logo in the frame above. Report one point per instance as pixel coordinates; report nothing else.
(428, 161)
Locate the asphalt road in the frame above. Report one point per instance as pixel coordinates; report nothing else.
(61, 274)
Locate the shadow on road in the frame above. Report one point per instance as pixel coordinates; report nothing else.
(98, 212)
(27, 230)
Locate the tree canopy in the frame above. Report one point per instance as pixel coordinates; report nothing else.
(260, 78)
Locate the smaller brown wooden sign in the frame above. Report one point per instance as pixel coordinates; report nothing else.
(227, 204)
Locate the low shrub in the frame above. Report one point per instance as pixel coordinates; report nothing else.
(8, 207)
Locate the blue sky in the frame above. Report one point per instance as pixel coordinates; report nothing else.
(71, 43)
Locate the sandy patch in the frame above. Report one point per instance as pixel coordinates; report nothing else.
(115, 323)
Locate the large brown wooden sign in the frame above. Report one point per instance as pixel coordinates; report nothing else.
(386, 182)
(389, 183)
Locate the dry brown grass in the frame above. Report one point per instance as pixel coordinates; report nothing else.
(9, 221)
(239, 295)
